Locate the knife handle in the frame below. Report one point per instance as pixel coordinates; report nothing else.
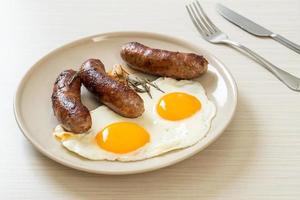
(295, 47)
(288, 79)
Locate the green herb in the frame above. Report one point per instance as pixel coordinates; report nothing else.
(140, 85)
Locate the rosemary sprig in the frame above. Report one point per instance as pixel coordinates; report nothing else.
(140, 85)
(153, 85)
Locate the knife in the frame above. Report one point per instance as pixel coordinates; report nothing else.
(253, 28)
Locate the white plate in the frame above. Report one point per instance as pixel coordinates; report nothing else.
(33, 111)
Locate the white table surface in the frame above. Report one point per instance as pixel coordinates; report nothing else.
(257, 157)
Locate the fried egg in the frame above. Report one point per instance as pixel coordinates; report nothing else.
(174, 119)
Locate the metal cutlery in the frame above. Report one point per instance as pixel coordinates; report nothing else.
(253, 28)
(210, 32)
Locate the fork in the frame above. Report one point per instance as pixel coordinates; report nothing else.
(210, 32)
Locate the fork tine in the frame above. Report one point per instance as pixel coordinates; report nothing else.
(197, 25)
(212, 25)
(207, 26)
(199, 22)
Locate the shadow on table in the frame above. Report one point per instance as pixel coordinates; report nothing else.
(207, 174)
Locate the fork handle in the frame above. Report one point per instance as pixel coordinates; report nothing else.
(288, 79)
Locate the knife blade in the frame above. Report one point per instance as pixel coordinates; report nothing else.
(253, 28)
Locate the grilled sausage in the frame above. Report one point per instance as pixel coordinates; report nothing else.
(66, 103)
(114, 94)
(162, 62)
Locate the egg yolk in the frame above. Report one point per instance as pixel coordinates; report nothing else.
(122, 137)
(177, 105)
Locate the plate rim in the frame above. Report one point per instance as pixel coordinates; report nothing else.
(25, 132)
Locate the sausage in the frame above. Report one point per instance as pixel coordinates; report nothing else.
(66, 103)
(162, 62)
(116, 95)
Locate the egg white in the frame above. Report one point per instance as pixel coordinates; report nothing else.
(165, 135)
